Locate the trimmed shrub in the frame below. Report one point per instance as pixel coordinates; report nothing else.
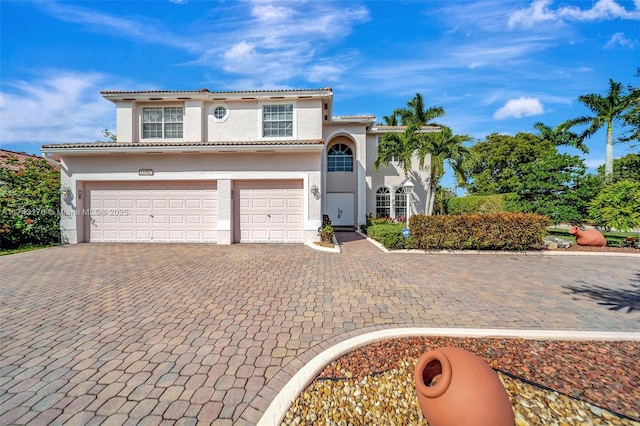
(480, 204)
(494, 231)
(389, 234)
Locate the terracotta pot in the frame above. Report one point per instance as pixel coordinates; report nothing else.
(456, 387)
(589, 237)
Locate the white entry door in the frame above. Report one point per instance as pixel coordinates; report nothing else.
(340, 208)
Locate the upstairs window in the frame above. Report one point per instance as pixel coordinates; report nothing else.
(383, 202)
(400, 203)
(277, 120)
(162, 122)
(340, 158)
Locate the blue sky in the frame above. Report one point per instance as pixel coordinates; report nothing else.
(494, 66)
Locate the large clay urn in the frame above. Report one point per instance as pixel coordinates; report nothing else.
(456, 387)
(588, 237)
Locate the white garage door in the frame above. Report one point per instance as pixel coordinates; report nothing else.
(152, 211)
(268, 212)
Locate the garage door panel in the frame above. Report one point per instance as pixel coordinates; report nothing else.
(277, 218)
(153, 211)
(269, 211)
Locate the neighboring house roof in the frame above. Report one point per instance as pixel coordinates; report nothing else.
(179, 146)
(21, 157)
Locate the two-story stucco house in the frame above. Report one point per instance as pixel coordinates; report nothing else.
(228, 167)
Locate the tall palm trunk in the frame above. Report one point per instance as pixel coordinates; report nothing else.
(608, 162)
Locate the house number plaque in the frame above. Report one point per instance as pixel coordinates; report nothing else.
(145, 172)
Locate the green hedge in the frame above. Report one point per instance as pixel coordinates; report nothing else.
(388, 234)
(494, 231)
(480, 204)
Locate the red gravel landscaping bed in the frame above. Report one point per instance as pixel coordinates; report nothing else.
(606, 374)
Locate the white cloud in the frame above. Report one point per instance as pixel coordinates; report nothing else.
(521, 107)
(60, 107)
(280, 41)
(138, 28)
(540, 11)
(618, 39)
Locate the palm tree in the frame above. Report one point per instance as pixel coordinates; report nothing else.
(415, 113)
(606, 109)
(443, 147)
(390, 120)
(398, 147)
(560, 137)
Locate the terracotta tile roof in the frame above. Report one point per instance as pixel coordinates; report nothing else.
(398, 129)
(21, 157)
(391, 128)
(90, 145)
(355, 117)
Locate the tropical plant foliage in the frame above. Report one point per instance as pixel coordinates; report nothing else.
(624, 168)
(444, 147)
(29, 203)
(617, 206)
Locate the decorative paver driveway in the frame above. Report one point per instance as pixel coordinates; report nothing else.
(185, 334)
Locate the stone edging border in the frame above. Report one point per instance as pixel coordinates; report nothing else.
(274, 415)
(511, 253)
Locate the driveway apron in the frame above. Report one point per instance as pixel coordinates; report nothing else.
(207, 334)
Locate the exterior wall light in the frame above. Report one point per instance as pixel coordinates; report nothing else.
(315, 191)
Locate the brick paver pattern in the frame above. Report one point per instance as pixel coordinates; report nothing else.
(203, 334)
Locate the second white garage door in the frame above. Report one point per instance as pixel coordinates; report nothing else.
(268, 211)
(152, 211)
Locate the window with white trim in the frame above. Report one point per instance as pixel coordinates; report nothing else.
(277, 120)
(340, 158)
(400, 203)
(162, 122)
(383, 202)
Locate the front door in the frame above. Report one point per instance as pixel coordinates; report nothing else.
(340, 208)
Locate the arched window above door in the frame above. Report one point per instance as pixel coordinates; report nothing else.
(340, 158)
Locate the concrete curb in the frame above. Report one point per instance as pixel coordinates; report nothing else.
(335, 249)
(276, 411)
